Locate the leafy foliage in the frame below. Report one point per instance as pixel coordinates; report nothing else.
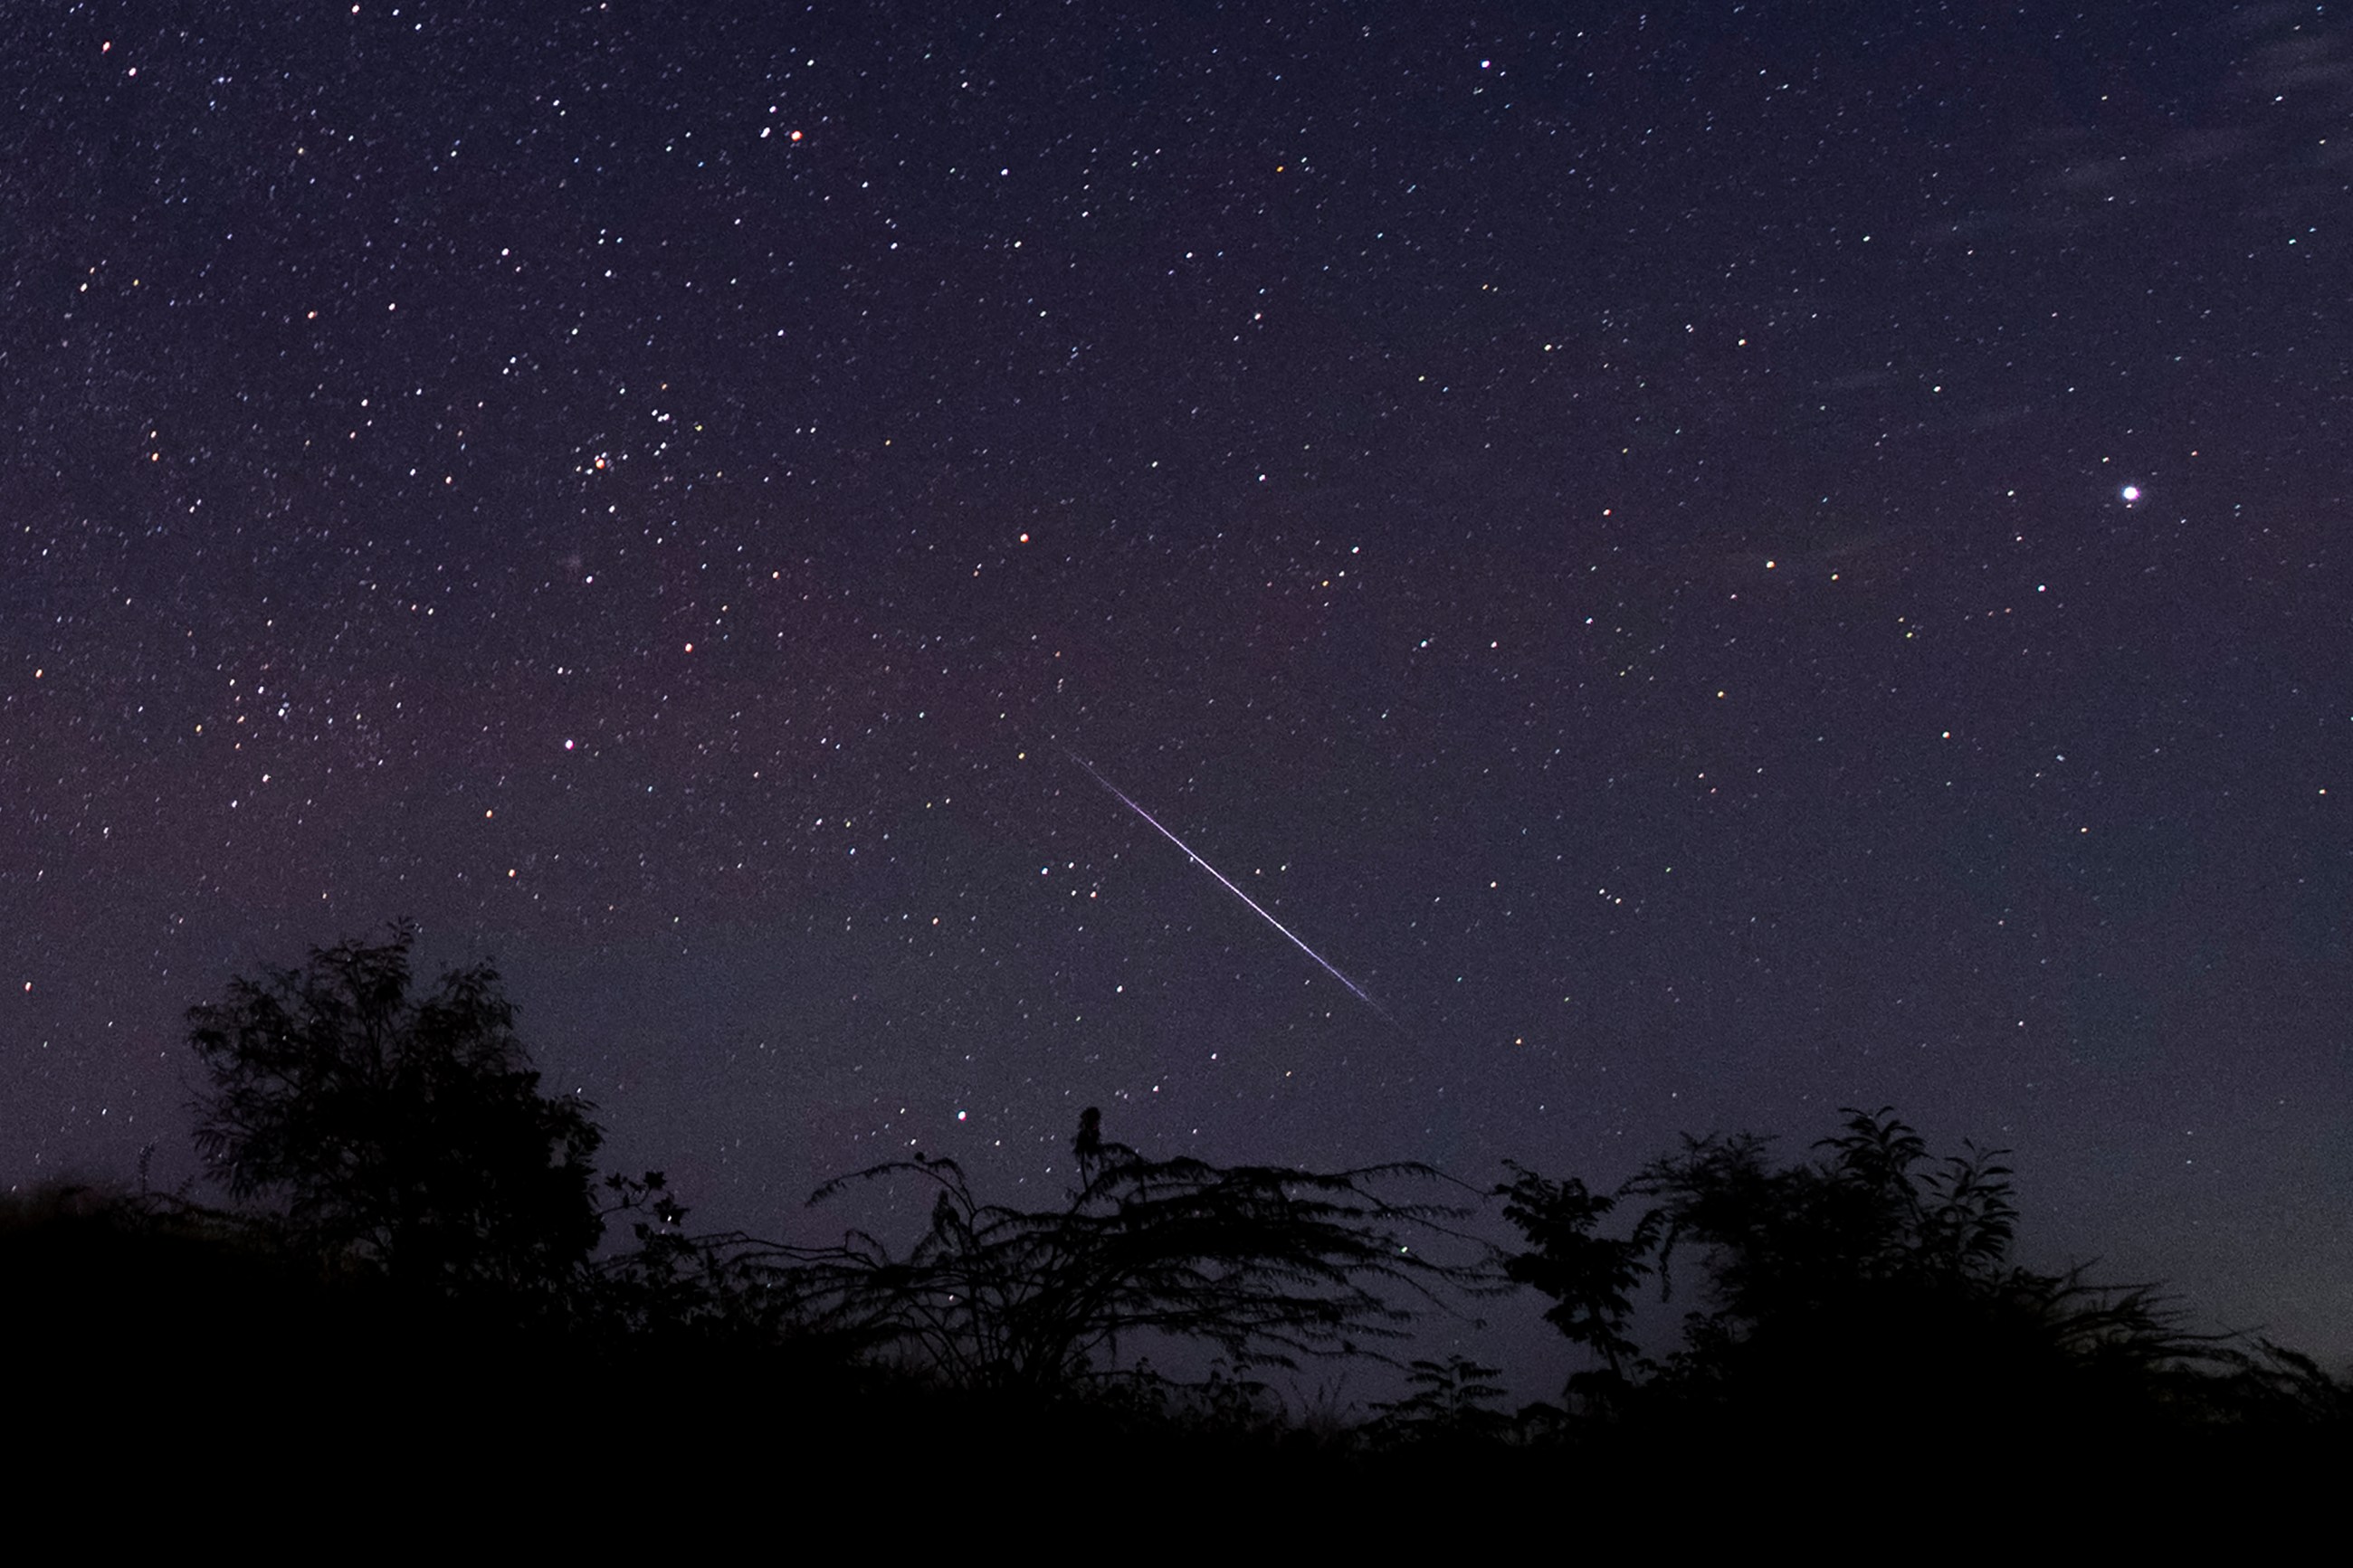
(399, 1133)
(1262, 1265)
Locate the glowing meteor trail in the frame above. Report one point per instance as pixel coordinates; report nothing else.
(1122, 797)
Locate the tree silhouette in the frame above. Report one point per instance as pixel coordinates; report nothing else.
(1590, 1278)
(1264, 1266)
(398, 1134)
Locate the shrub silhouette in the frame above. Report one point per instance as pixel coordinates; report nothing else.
(1264, 1266)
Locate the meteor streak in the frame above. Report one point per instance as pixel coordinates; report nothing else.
(1122, 797)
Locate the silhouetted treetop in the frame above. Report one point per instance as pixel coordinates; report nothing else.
(395, 1131)
(1875, 1210)
(1590, 1278)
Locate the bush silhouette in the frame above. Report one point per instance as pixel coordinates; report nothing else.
(1857, 1299)
(1262, 1266)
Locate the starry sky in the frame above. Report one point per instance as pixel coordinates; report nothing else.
(1719, 561)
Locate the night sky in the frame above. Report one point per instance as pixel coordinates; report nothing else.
(1721, 562)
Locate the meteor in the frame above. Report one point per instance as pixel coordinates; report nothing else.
(1122, 798)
